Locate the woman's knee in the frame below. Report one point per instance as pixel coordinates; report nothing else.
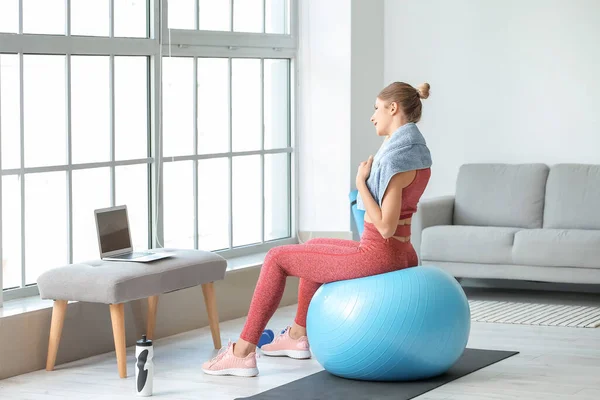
(276, 255)
(274, 252)
(273, 255)
(284, 249)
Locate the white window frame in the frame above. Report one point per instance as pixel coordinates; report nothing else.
(161, 42)
(231, 39)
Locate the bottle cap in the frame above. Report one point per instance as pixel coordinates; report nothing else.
(144, 342)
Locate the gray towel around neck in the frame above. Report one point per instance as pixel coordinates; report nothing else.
(405, 150)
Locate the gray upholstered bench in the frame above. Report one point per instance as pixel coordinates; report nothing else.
(116, 283)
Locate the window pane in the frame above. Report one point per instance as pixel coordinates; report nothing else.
(131, 18)
(276, 18)
(44, 16)
(131, 107)
(90, 109)
(248, 15)
(182, 14)
(178, 194)
(10, 100)
(131, 189)
(215, 15)
(277, 104)
(9, 16)
(246, 200)
(178, 106)
(91, 190)
(45, 223)
(277, 198)
(11, 232)
(246, 105)
(90, 17)
(213, 105)
(213, 204)
(44, 110)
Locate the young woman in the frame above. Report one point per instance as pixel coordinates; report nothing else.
(389, 195)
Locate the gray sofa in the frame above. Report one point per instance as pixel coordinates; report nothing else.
(515, 221)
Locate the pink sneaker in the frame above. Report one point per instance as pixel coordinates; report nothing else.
(226, 363)
(284, 345)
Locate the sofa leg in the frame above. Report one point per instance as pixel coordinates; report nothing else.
(59, 312)
(152, 309)
(117, 316)
(210, 300)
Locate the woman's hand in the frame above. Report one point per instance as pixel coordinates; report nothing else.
(364, 169)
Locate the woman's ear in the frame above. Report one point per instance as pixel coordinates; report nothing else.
(393, 107)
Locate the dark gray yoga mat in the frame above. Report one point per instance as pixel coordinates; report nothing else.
(325, 386)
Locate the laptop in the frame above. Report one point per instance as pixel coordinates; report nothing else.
(114, 237)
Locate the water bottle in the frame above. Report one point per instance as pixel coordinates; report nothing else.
(144, 367)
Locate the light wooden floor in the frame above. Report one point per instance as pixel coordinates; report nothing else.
(555, 363)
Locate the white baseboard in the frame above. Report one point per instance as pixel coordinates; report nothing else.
(304, 236)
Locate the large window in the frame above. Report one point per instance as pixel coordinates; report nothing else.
(190, 127)
(229, 141)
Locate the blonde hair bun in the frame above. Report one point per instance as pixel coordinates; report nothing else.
(423, 90)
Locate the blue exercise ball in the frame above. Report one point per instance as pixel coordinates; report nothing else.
(409, 324)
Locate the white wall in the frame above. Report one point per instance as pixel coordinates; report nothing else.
(366, 81)
(511, 80)
(324, 115)
(340, 74)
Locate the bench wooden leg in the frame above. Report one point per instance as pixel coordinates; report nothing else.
(59, 312)
(210, 300)
(152, 309)
(117, 316)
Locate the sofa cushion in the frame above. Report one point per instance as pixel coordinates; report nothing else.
(519, 272)
(573, 197)
(477, 244)
(557, 248)
(509, 195)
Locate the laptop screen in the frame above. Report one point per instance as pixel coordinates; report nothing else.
(113, 230)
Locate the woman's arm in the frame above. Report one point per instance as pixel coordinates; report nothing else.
(386, 218)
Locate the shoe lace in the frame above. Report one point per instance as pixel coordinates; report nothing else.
(282, 333)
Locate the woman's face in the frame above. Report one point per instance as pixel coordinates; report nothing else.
(383, 116)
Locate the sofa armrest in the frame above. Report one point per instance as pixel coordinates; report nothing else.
(430, 212)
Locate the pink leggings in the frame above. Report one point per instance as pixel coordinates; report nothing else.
(316, 262)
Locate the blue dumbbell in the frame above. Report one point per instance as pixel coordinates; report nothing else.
(266, 337)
